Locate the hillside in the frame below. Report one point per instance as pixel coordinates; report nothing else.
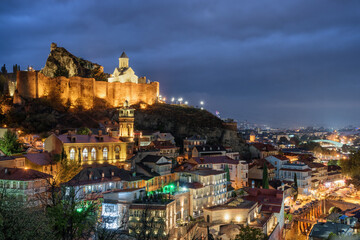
(187, 121)
(42, 116)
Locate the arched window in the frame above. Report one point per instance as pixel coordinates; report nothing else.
(85, 154)
(93, 154)
(117, 152)
(72, 154)
(105, 153)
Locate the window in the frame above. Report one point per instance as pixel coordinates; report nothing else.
(93, 154)
(85, 154)
(117, 153)
(72, 154)
(105, 153)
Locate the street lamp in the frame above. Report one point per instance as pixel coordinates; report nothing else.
(172, 99)
(202, 105)
(180, 100)
(186, 102)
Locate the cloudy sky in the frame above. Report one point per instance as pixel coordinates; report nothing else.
(282, 63)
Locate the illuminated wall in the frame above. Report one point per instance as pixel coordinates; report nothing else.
(82, 91)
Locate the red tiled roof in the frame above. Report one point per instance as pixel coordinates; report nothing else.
(21, 174)
(163, 144)
(87, 138)
(260, 163)
(39, 158)
(264, 147)
(281, 157)
(295, 170)
(271, 199)
(215, 159)
(269, 208)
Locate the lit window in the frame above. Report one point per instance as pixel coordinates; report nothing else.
(117, 153)
(93, 154)
(105, 154)
(72, 154)
(85, 154)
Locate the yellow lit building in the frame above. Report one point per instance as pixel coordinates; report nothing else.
(89, 149)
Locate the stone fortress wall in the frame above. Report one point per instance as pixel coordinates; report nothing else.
(84, 90)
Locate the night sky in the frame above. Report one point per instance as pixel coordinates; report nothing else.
(282, 63)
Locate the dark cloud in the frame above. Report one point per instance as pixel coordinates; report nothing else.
(285, 63)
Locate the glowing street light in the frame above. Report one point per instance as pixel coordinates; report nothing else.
(201, 103)
(180, 100)
(186, 102)
(172, 99)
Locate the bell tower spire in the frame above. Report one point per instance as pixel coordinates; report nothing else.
(123, 61)
(126, 123)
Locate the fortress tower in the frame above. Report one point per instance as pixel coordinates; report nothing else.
(126, 123)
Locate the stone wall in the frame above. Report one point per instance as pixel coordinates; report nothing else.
(82, 91)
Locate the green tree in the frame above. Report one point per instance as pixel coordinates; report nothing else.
(10, 144)
(265, 179)
(71, 218)
(17, 221)
(227, 173)
(83, 131)
(249, 233)
(351, 168)
(295, 187)
(16, 68)
(3, 85)
(3, 69)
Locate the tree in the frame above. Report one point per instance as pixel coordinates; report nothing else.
(351, 167)
(227, 173)
(10, 144)
(3, 69)
(295, 187)
(17, 221)
(83, 131)
(265, 179)
(3, 85)
(71, 218)
(16, 68)
(249, 233)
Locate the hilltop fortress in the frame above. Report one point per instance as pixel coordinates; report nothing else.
(79, 85)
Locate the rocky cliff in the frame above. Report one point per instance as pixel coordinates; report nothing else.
(62, 63)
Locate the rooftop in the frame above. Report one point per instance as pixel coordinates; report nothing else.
(206, 172)
(322, 230)
(215, 159)
(264, 147)
(39, 158)
(208, 148)
(102, 173)
(75, 138)
(235, 204)
(21, 174)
